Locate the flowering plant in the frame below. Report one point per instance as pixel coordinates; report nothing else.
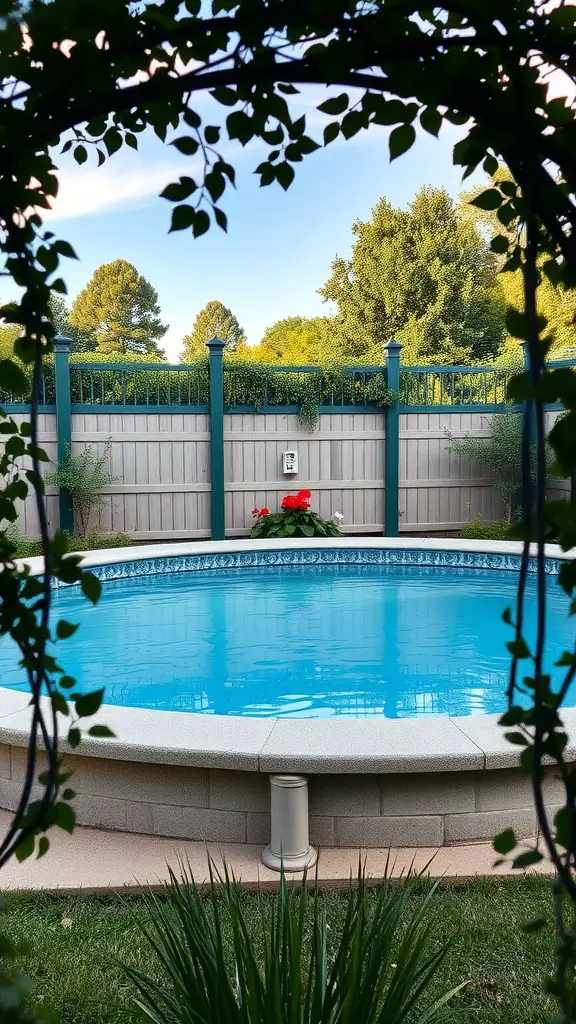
(295, 520)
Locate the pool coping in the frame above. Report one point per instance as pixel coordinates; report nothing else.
(334, 745)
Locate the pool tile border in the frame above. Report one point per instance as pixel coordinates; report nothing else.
(358, 555)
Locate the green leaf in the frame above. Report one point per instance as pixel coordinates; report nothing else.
(12, 378)
(518, 648)
(566, 659)
(499, 244)
(513, 716)
(491, 199)
(212, 134)
(220, 218)
(335, 105)
(564, 822)
(131, 140)
(179, 190)
(186, 145)
(505, 841)
(15, 446)
(65, 249)
(112, 140)
(65, 817)
(490, 165)
(59, 703)
(91, 586)
(24, 849)
(87, 704)
(80, 154)
(227, 97)
(285, 175)
(431, 120)
(192, 118)
(65, 629)
(182, 217)
(401, 139)
(525, 860)
(352, 123)
(516, 323)
(102, 731)
(43, 846)
(74, 737)
(331, 132)
(201, 223)
(517, 738)
(215, 183)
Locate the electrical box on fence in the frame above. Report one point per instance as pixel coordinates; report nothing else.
(290, 462)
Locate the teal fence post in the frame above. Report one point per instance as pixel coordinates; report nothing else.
(391, 473)
(63, 423)
(217, 517)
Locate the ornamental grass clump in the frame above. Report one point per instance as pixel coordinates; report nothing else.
(214, 965)
(295, 520)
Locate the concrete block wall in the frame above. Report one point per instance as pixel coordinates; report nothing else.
(223, 806)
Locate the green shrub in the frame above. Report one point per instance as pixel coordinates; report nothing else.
(211, 967)
(30, 547)
(477, 529)
(83, 476)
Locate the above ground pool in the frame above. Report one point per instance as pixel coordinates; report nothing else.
(360, 633)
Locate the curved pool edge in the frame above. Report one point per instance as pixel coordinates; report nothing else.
(108, 556)
(330, 746)
(374, 782)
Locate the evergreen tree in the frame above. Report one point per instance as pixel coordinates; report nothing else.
(118, 311)
(423, 276)
(214, 321)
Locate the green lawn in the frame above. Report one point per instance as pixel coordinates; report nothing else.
(80, 944)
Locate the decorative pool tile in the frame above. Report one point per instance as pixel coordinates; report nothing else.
(316, 556)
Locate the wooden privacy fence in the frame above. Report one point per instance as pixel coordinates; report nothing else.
(186, 465)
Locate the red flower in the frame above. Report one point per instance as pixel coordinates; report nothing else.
(264, 512)
(296, 500)
(305, 494)
(255, 512)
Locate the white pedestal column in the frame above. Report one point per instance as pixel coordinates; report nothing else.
(289, 847)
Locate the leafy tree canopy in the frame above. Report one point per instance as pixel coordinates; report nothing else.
(118, 311)
(215, 320)
(299, 340)
(424, 276)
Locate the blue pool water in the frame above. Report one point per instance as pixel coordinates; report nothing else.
(302, 641)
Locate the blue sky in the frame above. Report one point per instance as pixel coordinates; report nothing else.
(279, 245)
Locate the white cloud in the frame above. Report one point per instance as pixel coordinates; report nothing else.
(85, 191)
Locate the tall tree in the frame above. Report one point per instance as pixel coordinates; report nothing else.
(298, 340)
(424, 276)
(60, 316)
(215, 320)
(118, 311)
(556, 303)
